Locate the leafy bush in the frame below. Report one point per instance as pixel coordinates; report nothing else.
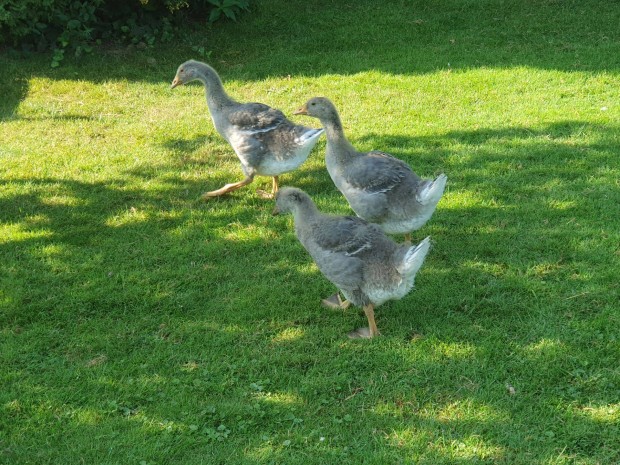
(47, 24)
(61, 25)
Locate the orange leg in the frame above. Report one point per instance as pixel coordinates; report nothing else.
(369, 310)
(371, 331)
(228, 188)
(274, 189)
(335, 301)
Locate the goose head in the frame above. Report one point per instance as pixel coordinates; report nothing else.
(289, 199)
(318, 107)
(186, 72)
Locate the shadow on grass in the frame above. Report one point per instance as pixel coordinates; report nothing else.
(185, 145)
(13, 91)
(145, 317)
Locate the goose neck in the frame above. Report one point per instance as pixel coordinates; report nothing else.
(305, 213)
(213, 85)
(334, 131)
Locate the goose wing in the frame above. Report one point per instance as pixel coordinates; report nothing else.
(338, 245)
(256, 118)
(376, 172)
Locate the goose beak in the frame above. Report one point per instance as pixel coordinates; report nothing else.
(301, 111)
(175, 83)
(276, 211)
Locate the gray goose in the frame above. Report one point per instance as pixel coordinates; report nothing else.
(266, 142)
(380, 188)
(356, 256)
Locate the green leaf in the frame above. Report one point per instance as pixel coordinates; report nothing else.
(230, 14)
(73, 24)
(215, 15)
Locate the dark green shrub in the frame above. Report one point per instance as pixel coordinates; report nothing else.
(73, 25)
(45, 24)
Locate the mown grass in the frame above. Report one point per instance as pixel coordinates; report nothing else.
(141, 325)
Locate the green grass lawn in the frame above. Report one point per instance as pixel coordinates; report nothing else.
(140, 325)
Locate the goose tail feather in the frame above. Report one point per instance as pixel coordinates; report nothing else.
(431, 192)
(414, 258)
